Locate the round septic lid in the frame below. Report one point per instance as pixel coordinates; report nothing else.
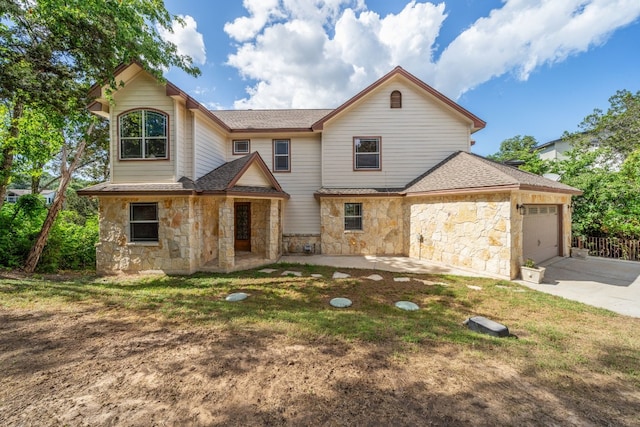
(340, 302)
(238, 296)
(407, 305)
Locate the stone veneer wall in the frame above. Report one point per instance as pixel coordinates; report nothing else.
(472, 231)
(177, 247)
(382, 223)
(295, 243)
(207, 228)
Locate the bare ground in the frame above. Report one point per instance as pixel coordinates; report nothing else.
(95, 367)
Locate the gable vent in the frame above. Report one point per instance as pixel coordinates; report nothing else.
(396, 99)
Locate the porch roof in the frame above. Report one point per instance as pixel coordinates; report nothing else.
(222, 180)
(461, 172)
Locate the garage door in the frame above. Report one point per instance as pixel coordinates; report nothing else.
(540, 232)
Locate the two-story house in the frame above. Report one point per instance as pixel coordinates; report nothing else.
(388, 172)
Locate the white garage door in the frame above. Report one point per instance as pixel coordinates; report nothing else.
(540, 232)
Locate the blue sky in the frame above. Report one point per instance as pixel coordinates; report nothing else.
(525, 67)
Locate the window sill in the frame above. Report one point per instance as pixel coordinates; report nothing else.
(143, 243)
(353, 231)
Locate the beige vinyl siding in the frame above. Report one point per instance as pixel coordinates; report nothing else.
(142, 92)
(414, 138)
(184, 132)
(209, 147)
(253, 177)
(302, 210)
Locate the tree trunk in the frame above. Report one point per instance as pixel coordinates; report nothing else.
(6, 163)
(66, 173)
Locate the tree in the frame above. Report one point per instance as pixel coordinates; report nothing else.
(76, 131)
(521, 148)
(605, 164)
(53, 50)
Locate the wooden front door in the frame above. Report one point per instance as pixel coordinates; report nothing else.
(242, 226)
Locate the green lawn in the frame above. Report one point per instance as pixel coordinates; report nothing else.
(564, 358)
(561, 334)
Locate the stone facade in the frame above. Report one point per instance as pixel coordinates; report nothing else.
(192, 232)
(382, 227)
(481, 232)
(175, 251)
(472, 231)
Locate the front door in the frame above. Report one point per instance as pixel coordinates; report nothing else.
(243, 227)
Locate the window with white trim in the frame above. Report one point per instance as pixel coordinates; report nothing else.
(353, 216)
(241, 146)
(143, 222)
(143, 135)
(366, 153)
(281, 155)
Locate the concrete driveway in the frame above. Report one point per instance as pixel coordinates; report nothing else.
(601, 282)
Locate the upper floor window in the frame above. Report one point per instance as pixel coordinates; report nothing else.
(241, 146)
(143, 135)
(366, 153)
(396, 99)
(281, 155)
(143, 220)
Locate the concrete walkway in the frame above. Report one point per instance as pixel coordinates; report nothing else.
(601, 282)
(396, 264)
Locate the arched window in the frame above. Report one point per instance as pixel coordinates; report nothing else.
(143, 135)
(396, 99)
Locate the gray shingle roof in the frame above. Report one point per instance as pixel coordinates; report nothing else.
(219, 180)
(359, 191)
(105, 188)
(269, 119)
(466, 171)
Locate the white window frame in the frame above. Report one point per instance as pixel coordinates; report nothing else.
(356, 155)
(357, 216)
(276, 155)
(241, 152)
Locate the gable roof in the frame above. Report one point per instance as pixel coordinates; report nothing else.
(466, 172)
(224, 179)
(399, 71)
(287, 120)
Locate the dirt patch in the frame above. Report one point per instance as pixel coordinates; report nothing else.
(96, 367)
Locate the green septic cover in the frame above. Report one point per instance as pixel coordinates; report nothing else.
(407, 305)
(238, 296)
(340, 302)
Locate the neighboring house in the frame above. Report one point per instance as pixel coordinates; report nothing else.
(388, 172)
(13, 195)
(553, 150)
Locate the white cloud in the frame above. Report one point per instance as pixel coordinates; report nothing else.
(187, 38)
(523, 35)
(317, 53)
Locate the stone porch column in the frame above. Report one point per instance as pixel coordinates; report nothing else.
(272, 250)
(226, 251)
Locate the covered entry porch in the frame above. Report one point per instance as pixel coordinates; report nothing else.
(249, 233)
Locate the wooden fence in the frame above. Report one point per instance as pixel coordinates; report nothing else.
(609, 247)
